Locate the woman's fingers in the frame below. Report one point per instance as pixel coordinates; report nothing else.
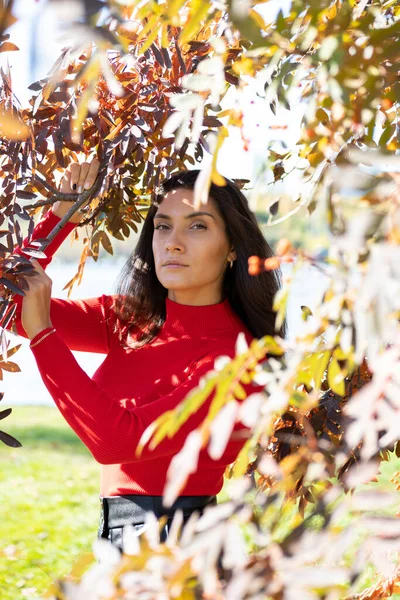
(92, 174)
(82, 176)
(79, 177)
(38, 266)
(75, 170)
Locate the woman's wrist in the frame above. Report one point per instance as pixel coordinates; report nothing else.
(60, 209)
(41, 336)
(33, 333)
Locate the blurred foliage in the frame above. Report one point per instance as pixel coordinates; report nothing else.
(141, 88)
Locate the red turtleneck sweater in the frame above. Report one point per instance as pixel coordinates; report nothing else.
(131, 388)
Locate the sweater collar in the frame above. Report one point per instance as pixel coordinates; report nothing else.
(188, 319)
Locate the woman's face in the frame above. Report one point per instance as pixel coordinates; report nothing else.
(197, 241)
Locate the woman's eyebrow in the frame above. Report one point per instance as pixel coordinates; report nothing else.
(190, 216)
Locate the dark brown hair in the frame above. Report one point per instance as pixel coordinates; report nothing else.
(141, 297)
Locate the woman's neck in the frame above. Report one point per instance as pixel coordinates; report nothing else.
(195, 297)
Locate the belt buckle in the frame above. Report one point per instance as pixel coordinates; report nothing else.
(103, 517)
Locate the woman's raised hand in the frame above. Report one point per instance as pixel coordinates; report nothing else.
(76, 179)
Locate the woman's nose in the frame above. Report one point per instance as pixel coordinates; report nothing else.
(174, 242)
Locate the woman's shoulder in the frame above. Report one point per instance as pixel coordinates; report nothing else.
(229, 342)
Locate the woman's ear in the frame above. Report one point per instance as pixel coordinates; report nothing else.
(232, 255)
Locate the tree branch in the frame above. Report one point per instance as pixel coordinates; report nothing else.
(77, 199)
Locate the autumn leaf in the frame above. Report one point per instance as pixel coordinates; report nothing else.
(12, 127)
(8, 47)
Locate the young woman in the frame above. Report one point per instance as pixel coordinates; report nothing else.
(182, 299)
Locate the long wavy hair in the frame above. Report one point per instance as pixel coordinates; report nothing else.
(140, 303)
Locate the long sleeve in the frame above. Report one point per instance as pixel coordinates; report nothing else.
(109, 431)
(84, 324)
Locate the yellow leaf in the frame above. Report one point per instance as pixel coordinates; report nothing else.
(217, 179)
(245, 66)
(240, 392)
(81, 112)
(164, 36)
(256, 16)
(280, 302)
(300, 399)
(321, 363)
(89, 72)
(164, 429)
(270, 346)
(150, 26)
(179, 578)
(152, 37)
(149, 432)
(335, 378)
(315, 158)
(198, 12)
(242, 461)
(225, 113)
(81, 565)
(246, 379)
(173, 7)
(290, 463)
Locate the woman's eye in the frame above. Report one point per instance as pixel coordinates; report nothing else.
(162, 226)
(200, 225)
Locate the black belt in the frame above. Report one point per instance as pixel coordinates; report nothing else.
(118, 511)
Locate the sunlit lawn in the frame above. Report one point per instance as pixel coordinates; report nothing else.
(49, 492)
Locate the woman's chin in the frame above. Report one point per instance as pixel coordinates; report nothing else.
(174, 283)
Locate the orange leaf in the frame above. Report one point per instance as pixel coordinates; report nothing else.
(8, 47)
(10, 366)
(11, 127)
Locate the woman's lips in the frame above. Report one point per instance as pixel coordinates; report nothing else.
(174, 266)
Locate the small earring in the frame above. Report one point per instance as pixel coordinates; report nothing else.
(231, 264)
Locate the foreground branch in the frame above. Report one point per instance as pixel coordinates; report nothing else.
(78, 201)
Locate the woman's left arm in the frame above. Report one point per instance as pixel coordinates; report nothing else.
(109, 431)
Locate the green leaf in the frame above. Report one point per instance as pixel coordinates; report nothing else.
(305, 312)
(388, 132)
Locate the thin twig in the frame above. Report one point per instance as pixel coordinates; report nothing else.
(82, 199)
(58, 195)
(44, 202)
(78, 201)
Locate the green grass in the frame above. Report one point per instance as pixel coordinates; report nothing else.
(49, 493)
(49, 498)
